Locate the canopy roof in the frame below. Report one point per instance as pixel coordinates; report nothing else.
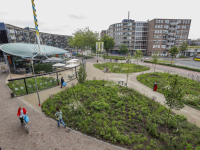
(29, 50)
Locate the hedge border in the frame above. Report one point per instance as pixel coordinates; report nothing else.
(182, 67)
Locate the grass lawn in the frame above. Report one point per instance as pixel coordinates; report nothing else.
(122, 116)
(192, 88)
(121, 67)
(18, 86)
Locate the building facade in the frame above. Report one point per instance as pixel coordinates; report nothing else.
(191, 42)
(103, 32)
(157, 35)
(13, 34)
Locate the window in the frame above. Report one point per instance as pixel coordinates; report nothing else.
(166, 26)
(160, 31)
(187, 27)
(159, 41)
(161, 21)
(180, 36)
(165, 31)
(167, 21)
(155, 31)
(161, 26)
(154, 41)
(177, 36)
(154, 46)
(156, 21)
(185, 36)
(158, 26)
(157, 36)
(155, 26)
(163, 46)
(177, 32)
(154, 36)
(158, 46)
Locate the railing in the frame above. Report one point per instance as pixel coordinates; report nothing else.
(26, 85)
(171, 39)
(171, 34)
(173, 23)
(170, 43)
(172, 28)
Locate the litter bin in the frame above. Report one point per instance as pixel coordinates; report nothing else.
(155, 87)
(12, 95)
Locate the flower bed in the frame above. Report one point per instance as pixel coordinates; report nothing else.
(18, 86)
(121, 67)
(192, 88)
(122, 116)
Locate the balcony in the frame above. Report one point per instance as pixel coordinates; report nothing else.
(11, 31)
(172, 29)
(168, 48)
(173, 23)
(171, 39)
(171, 34)
(170, 43)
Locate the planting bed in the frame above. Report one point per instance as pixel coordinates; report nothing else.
(191, 87)
(18, 86)
(121, 67)
(122, 116)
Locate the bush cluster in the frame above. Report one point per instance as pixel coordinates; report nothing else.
(122, 116)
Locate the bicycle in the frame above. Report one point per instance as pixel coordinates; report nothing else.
(25, 125)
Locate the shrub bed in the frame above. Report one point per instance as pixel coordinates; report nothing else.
(122, 116)
(182, 67)
(79, 55)
(121, 67)
(47, 67)
(192, 88)
(18, 86)
(114, 57)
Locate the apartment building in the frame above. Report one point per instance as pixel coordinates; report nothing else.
(103, 32)
(13, 34)
(166, 33)
(157, 35)
(123, 33)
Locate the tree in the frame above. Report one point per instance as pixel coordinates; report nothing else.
(183, 47)
(173, 51)
(82, 74)
(93, 48)
(123, 49)
(138, 55)
(109, 43)
(174, 96)
(155, 59)
(83, 38)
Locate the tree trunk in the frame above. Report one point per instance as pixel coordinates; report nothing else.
(168, 117)
(172, 60)
(107, 53)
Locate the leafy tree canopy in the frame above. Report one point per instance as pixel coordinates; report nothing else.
(123, 49)
(109, 43)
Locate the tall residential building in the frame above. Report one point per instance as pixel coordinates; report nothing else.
(150, 36)
(13, 34)
(166, 33)
(123, 33)
(103, 32)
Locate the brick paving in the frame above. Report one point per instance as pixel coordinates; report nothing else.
(44, 133)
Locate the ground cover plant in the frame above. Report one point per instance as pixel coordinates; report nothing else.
(122, 116)
(121, 67)
(18, 86)
(182, 67)
(191, 87)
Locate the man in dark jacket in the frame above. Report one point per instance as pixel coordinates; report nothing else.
(62, 80)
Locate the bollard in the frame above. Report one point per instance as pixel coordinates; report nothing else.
(155, 86)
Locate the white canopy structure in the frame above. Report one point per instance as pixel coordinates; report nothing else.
(71, 61)
(58, 65)
(70, 66)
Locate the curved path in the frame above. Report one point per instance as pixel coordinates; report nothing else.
(44, 133)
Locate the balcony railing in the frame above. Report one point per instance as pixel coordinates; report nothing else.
(170, 43)
(171, 39)
(171, 34)
(172, 28)
(173, 23)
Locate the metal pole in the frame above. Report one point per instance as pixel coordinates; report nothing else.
(25, 86)
(57, 78)
(35, 82)
(8, 65)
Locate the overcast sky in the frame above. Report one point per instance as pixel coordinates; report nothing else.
(66, 16)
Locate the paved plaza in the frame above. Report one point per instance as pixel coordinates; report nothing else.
(44, 133)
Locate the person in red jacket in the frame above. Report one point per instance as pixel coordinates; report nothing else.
(21, 113)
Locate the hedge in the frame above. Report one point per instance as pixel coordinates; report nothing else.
(47, 67)
(182, 67)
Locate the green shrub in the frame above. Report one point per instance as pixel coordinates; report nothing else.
(47, 67)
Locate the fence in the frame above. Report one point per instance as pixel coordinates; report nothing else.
(26, 85)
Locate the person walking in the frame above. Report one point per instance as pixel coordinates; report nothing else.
(62, 81)
(59, 117)
(21, 113)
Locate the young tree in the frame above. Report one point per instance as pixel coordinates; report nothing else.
(138, 55)
(123, 49)
(174, 96)
(109, 43)
(82, 74)
(155, 57)
(183, 47)
(173, 51)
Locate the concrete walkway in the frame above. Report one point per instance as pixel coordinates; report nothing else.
(44, 133)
